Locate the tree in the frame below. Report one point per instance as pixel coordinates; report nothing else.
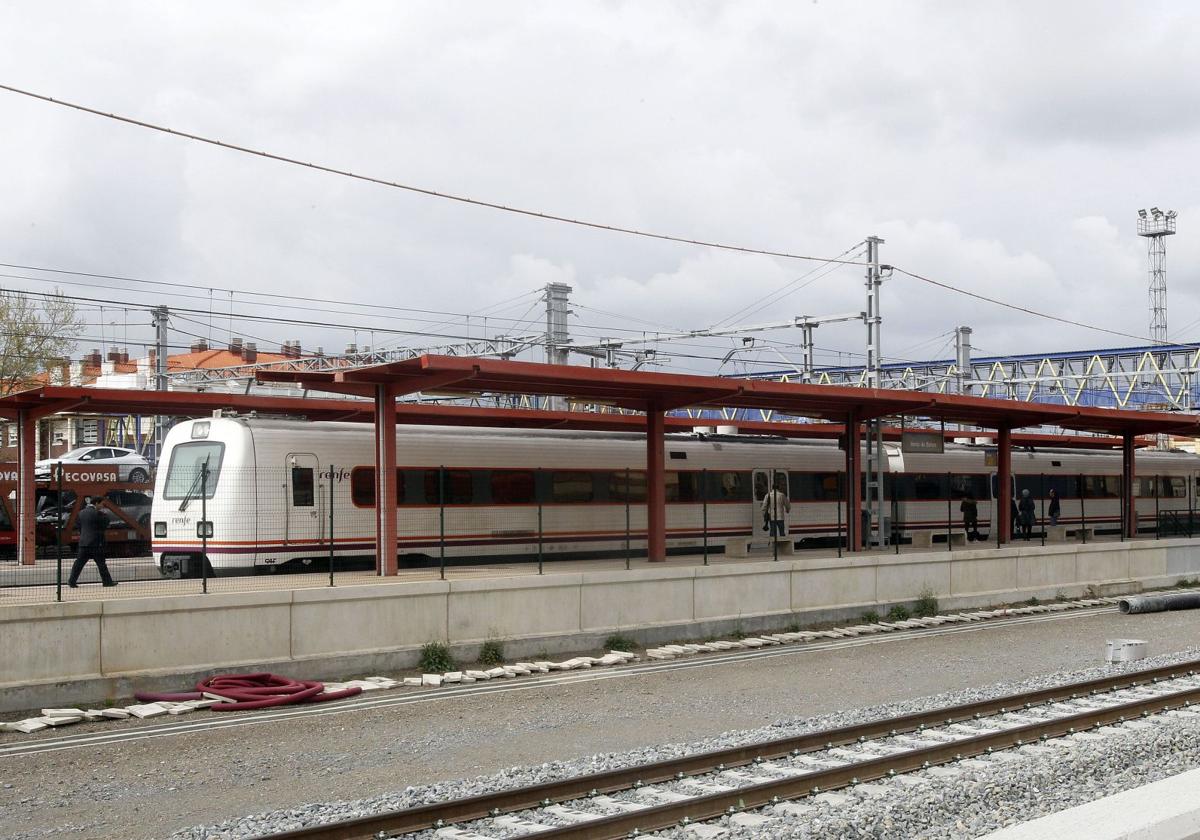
(34, 335)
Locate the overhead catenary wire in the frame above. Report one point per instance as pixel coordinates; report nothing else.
(784, 291)
(1019, 308)
(425, 191)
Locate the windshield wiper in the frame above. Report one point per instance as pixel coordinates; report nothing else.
(191, 493)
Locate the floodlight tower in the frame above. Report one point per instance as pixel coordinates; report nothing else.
(1156, 226)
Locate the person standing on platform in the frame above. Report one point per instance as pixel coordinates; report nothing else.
(1026, 509)
(775, 506)
(970, 515)
(1055, 508)
(92, 523)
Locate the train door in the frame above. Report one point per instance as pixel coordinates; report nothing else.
(764, 480)
(304, 504)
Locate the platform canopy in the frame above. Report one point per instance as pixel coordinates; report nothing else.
(654, 393)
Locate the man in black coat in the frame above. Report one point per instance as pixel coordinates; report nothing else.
(92, 523)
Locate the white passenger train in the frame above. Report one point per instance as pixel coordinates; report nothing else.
(276, 492)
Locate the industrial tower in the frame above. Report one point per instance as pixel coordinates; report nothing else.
(1155, 226)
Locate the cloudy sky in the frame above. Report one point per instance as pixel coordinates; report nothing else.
(1002, 148)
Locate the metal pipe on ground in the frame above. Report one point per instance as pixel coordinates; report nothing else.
(1159, 603)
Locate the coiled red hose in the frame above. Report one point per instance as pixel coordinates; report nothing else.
(253, 691)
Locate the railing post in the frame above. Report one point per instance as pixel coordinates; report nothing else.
(704, 511)
(1126, 511)
(1157, 514)
(1082, 509)
(773, 495)
(537, 494)
(58, 529)
(442, 521)
(628, 538)
(331, 524)
(204, 526)
(841, 490)
(949, 513)
(1042, 492)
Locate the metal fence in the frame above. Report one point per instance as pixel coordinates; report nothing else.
(215, 528)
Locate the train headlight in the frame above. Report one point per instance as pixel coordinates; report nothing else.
(204, 529)
(160, 529)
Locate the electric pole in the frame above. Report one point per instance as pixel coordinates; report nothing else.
(161, 317)
(558, 336)
(962, 356)
(874, 373)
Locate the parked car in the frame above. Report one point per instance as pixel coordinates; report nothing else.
(130, 465)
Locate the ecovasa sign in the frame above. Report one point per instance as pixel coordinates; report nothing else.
(69, 474)
(85, 474)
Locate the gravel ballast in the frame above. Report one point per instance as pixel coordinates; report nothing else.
(980, 798)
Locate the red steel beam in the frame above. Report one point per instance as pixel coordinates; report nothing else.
(1128, 476)
(656, 487)
(1003, 516)
(853, 482)
(26, 489)
(386, 510)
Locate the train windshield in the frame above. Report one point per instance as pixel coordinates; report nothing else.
(184, 474)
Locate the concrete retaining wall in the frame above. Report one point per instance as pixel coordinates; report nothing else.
(88, 650)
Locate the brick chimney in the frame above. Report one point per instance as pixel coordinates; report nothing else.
(235, 346)
(250, 354)
(114, 355)
(92, 359)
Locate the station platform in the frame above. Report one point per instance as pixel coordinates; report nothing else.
(107, 642)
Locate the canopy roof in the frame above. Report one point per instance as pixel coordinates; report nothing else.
(652, 391)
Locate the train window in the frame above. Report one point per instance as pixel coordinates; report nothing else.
(961, 485)
(362, 486)
(1169, 486)
(1064, 486)
(5, 521)
(689, 487)
(568, 487)
(627, 486)
(761, 486)
(683, 487)
(512, 487)
(1101, 486)
(457, 487)
(184, 471)
(920, 486)
(304, 493)
(728, 487)
(815, 487)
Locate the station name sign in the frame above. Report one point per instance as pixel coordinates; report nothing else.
(922, 442)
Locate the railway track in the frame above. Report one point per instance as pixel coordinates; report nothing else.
(640, 799)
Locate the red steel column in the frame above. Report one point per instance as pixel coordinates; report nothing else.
(26, 490)
(1128, 476)
(656, 487)
(1003, 515)
(853, 482)
(386, 544)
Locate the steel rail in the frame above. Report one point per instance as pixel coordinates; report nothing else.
(754, 796)
(410, 820)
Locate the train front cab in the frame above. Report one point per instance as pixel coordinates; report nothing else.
(190, 499)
